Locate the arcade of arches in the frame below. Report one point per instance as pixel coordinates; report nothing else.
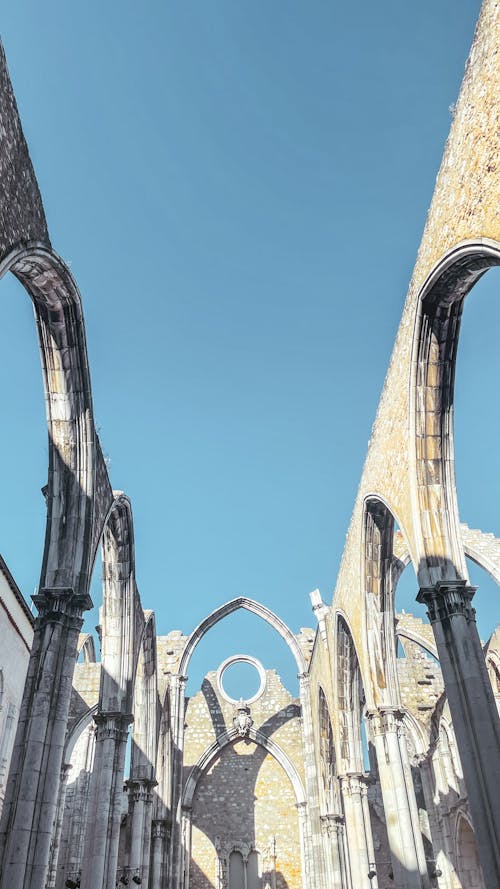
(384, 770)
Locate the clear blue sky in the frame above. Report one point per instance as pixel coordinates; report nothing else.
(240, 190)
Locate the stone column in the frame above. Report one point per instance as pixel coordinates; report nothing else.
(353, 786)
(332, 828)
(312, 832)
(442, 851)
(140, 813)
(30, 808)
(56, 839)
(175, 868)
(473, 711)
(400, 805)
(158, 841)
(105, 806)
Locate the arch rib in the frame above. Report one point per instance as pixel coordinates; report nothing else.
(215, 750)
(248, 605)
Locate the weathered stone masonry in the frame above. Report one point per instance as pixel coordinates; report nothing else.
(426, 812)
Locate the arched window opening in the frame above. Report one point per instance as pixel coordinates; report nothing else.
(485, 601)
(327, 757)
(251, 635)
(469, 869)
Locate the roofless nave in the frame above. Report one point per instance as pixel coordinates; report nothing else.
(272, 792)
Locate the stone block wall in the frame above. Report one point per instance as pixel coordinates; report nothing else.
(244, 799)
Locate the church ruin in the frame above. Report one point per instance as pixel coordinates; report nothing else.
(384, 770)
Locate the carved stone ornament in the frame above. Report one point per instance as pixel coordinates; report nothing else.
(242, 720)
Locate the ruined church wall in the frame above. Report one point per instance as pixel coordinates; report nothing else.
(245, 798)
(466, 205)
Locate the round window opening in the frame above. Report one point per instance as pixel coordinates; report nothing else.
(241, 676)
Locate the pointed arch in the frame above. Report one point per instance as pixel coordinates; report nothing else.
(213, 752)
(434, 352)
(248, 605)
(118, 611)
(145, 706)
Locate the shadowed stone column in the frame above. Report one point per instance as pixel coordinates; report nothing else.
(140, 813)
(30, 808)
(353, 787)
(56, 839)
(105, 806)
(400, 805)
(473, 711)
(159, 834)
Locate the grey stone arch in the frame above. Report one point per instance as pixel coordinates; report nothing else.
(175, 863)
(439, 552)
(67, 849)
(467, 862)
(438, 540)
(205, 761)
(77, 490)
(122, 627)
(71, 497)
(255, 608)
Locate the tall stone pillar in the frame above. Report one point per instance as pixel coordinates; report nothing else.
(353, 787)
(332, 829)
(175, 862)
(30, 808)
(140, 814)
(400, 805)
(105, 806)
(473, 711)
(158, 841)
(56, 839)
(441, 870)
(312, 832)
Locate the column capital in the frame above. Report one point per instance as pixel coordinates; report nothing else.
(354, 783)
(159, 829)
(140, 789)
(112, 726)
(448, 598)
(385, 719)
(61, 605)
(331, 824)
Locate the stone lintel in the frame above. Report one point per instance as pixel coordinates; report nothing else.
(448, 598)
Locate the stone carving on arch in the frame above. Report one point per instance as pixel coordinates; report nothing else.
(255, 608)
(74, 451)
